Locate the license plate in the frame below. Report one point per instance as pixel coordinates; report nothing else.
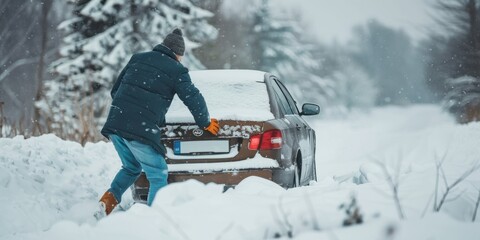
(207, 146)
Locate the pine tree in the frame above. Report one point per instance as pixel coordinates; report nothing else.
(387, 55)
(463, 98)
(277, 45)
(232, 49)
(454, 65)
(339, 85)
(99, 41)
(355, 89)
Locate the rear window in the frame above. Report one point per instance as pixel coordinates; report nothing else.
(230, 95)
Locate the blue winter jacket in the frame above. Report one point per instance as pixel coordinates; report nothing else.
(143, 93)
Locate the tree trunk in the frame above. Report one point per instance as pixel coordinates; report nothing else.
(133, 11)
(46, 6)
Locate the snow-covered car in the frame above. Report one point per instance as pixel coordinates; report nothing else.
(262, 133)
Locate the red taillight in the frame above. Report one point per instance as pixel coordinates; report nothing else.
(271, 139)
(254, 142)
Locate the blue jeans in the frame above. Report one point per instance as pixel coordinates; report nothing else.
(136, 156)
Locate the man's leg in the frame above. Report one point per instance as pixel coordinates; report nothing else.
(153, 164)
(130, 170)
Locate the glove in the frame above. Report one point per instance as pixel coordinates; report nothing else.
(213, 127)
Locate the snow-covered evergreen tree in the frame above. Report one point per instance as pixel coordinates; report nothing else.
(388, 56)
(312, 88)
(277, 45)
(453, 66)
(354, 87)
(341, 88)
(99, 41)
(463, 98)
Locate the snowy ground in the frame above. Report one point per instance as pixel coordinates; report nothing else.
(49, 188)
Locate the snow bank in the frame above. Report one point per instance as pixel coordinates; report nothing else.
(49, 188)
(438, 227)
(43, 179)
(407, 142)
(230, 95)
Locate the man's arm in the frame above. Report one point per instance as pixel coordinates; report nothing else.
(193, 99)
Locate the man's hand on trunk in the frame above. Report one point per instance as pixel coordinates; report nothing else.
(213, 127)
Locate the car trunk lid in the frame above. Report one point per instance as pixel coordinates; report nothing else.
(186, 143)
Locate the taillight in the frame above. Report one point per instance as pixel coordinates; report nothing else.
(254, 142)
(271, 139)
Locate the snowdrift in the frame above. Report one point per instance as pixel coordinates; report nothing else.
(49, 188)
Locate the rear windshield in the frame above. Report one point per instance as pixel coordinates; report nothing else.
(230, 95)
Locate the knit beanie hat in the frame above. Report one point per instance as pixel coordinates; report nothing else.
(175, 42)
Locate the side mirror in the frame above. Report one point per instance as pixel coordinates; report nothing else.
(309, 109)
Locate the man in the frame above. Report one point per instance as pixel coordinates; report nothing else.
(141, 97)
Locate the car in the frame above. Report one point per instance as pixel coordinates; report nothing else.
(262, 133)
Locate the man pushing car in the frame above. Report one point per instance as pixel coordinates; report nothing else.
(141, 97)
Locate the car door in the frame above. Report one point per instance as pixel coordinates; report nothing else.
(302, 124)
(288, 119)
(304, 132)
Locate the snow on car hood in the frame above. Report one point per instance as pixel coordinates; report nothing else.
(230, 95)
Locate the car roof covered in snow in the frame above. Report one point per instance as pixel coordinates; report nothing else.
(230, 95)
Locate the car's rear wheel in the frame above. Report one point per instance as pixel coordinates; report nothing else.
(314, 166)
(313, 173)
(298, 171)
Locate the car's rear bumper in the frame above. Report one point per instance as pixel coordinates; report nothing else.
(229, 178)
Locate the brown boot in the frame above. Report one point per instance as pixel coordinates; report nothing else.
(109, 202)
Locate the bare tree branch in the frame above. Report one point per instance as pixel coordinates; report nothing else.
(428, 203)
(460, 179)
(12, 19)
(476, 207)
(12, 96)
(465, 175)
(437, 176)
(456, 197)
(18, 63)
(21, 62)
(394, 185)
(444, 177)
(6, 57)
(224, 231)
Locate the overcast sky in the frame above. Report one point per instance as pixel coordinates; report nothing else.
(333, 19)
